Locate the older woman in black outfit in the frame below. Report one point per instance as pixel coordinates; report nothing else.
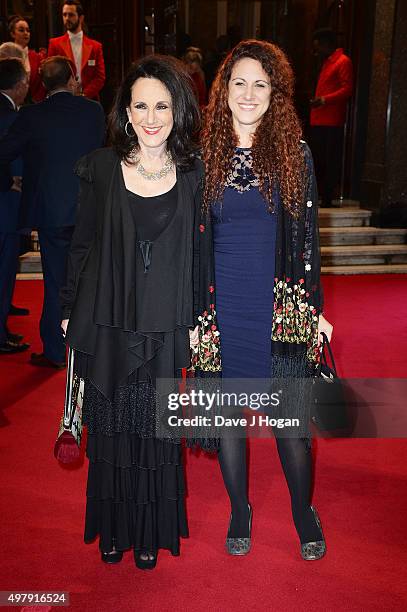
(128, 307)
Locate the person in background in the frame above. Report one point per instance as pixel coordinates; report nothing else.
(10, 49)
(85, 53)
(20, 33)
(210, 68)
(50, 137)
(193, 62)
(328, 112)
(13, 90)
(7, 50)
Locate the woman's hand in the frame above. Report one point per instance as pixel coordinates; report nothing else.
(193, 337)
(325, 327)
(64, 326)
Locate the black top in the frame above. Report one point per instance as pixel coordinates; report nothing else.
(152, 214)
(129, 308)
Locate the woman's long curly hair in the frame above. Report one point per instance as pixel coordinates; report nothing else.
(278, 156)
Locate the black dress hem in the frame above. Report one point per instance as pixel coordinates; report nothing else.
(135, 493)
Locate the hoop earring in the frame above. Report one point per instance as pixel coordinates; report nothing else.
(126, 128)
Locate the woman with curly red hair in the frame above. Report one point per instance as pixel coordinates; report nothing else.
(261, 202)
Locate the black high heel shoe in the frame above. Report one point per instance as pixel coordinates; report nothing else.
(145, 564)
(114, 556)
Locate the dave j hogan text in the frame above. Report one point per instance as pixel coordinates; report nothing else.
(256, 420)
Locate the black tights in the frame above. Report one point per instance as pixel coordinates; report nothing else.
(232, 460)
(296, 462)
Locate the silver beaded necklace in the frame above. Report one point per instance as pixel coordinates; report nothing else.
(156, 176)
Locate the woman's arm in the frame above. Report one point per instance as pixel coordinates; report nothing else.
(312, 252)
(82, 240)
(324, 327)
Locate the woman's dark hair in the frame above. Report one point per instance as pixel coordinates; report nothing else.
(13, 21)
(182, 140)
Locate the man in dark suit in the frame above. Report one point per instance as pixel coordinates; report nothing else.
(7, 50)
(13, 89)
(51, 136)
(85, 53)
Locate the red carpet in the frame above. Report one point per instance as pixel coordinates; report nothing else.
(360, 492)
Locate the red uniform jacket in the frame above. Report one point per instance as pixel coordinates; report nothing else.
(37, 89)
(200, 88)
(335, 84)
(93, 65)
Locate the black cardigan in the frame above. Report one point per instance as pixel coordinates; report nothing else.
(99, 297)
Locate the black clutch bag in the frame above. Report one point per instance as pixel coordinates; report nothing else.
(328, 407)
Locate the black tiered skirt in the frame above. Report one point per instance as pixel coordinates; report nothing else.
(136, 485)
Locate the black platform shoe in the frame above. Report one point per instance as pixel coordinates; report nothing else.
(145, 564)
(114, 556)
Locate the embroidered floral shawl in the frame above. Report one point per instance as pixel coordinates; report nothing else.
(298, 298)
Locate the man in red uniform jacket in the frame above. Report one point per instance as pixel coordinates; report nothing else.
(85, 53)
(328, 112)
